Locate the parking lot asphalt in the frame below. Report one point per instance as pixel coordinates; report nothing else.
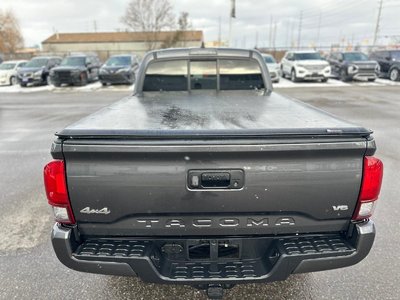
(30, 270)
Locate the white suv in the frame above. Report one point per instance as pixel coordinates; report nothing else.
(8, 71)
(305, 65)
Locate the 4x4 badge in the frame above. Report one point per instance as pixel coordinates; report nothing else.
(89, 211)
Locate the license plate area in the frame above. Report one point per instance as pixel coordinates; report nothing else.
(213, 250)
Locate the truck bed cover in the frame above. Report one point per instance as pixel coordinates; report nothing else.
(223, 114)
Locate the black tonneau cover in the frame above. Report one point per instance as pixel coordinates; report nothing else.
(212, 114)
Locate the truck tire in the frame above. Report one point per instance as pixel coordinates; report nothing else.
(293, 76)
(394, 74)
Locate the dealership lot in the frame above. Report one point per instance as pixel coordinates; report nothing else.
(29, 269)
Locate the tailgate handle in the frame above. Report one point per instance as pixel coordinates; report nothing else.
(218, 179)
(215, 180)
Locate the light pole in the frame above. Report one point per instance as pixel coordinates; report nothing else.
(232, 15)
(300, 28)
(378, 21)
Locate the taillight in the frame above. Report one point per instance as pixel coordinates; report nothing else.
(56, 191)
(370, 188)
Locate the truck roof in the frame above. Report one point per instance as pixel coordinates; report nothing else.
(209, 114)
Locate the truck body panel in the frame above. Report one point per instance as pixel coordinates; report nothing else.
(145, 187)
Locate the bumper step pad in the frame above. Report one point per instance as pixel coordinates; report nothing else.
(315, 245)
(112, 248)
(255, 263)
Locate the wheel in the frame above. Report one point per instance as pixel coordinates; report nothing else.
(394, 75)
(104, 83)
(23, 85)
(371, 80)
(343, 76)
(13, 80)
(293, 76)
(324, 80)
(84, 79)
(57, 84)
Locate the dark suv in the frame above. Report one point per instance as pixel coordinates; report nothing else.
(389, 61)
(37, 70)
(76, 70)
(349, 66)
(119, 69)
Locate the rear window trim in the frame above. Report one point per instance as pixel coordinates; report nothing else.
(189, 60)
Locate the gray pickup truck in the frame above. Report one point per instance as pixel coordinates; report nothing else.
(206, 177)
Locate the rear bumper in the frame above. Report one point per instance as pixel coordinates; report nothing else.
(31, 80)
(261, 259)
(4, 81)
(73, 78)
(117, 78)
(365, 76)
(306, 74)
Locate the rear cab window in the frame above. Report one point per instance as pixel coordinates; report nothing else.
(217, 74)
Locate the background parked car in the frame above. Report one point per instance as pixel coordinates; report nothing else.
(389, 62)
(119, 69)
(273, 67)
(37, 70)
(9, 71)
(76, 70)
(353, 65)
(305, 65)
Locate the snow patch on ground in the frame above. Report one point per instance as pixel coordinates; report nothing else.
(97, 86)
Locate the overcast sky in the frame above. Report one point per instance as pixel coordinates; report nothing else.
(341, 20)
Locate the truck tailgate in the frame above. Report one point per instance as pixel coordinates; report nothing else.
(137, 188)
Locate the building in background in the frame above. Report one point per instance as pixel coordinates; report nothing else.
(106, 44)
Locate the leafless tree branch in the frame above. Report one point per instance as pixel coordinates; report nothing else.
(151, 16)
(10, 34)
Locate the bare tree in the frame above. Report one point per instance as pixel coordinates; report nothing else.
(10, 34)
(179, 36)
(150, 16)
(183, 21)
